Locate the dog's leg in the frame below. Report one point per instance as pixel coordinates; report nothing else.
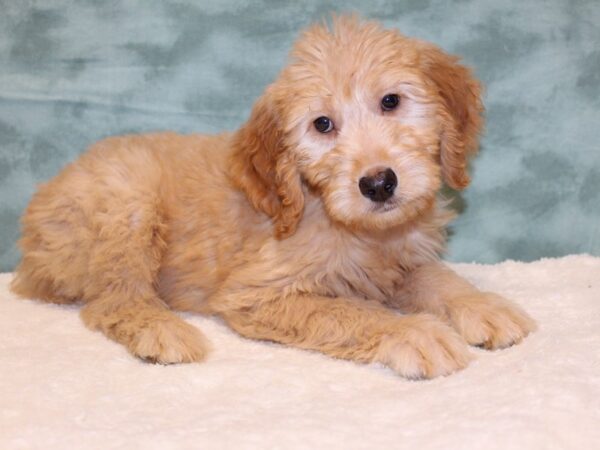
(482, 318)
(123, 303)
(415, 346)
(143, 324)
(104, 248)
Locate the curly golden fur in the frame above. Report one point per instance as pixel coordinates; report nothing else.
(268, 228)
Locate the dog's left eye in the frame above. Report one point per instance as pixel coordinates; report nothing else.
(323, 124)
(390, 102)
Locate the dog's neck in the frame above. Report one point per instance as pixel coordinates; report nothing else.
(418, 241)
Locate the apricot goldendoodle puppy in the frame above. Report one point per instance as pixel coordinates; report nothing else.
(313, 225)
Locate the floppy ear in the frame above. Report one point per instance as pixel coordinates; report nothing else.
(461, 114)
(265, 170)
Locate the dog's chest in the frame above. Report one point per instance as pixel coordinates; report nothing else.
(364, 270)
(346, 265)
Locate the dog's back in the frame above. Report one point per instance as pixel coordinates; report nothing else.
(76, 221)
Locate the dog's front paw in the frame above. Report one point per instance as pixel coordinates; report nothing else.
(490, 321)
(169, 341)
(423, 347)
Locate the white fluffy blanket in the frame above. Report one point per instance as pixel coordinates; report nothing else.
(64, 387)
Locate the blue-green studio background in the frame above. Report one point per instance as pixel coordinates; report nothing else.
(72, 72)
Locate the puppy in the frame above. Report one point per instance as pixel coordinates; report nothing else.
(316, 225)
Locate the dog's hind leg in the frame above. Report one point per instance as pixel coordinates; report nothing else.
(126, 306)
(103, 245)
(144, 325)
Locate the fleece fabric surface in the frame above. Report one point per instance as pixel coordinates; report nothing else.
(62, 386)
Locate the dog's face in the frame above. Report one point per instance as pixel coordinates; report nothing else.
(370, 120)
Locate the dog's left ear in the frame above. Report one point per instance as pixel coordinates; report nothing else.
(461, 114)
(265, 170)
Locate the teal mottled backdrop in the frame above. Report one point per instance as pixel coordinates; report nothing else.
(72, 72)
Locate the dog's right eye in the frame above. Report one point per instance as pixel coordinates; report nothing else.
(323, 124)
(390, 102)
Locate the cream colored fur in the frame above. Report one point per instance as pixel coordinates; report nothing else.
(267, 228)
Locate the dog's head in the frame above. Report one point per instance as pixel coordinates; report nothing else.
(369, 119)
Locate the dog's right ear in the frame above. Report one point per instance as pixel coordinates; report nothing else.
(263, 168)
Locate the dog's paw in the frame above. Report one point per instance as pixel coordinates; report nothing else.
(489, 321)
(169, 341)
(423, 347)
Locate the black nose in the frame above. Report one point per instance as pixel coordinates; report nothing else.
(379, 187)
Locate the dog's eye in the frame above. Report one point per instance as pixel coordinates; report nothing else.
(390, 102)
(323, 124)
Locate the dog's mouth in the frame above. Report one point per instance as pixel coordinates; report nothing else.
(388, 205)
